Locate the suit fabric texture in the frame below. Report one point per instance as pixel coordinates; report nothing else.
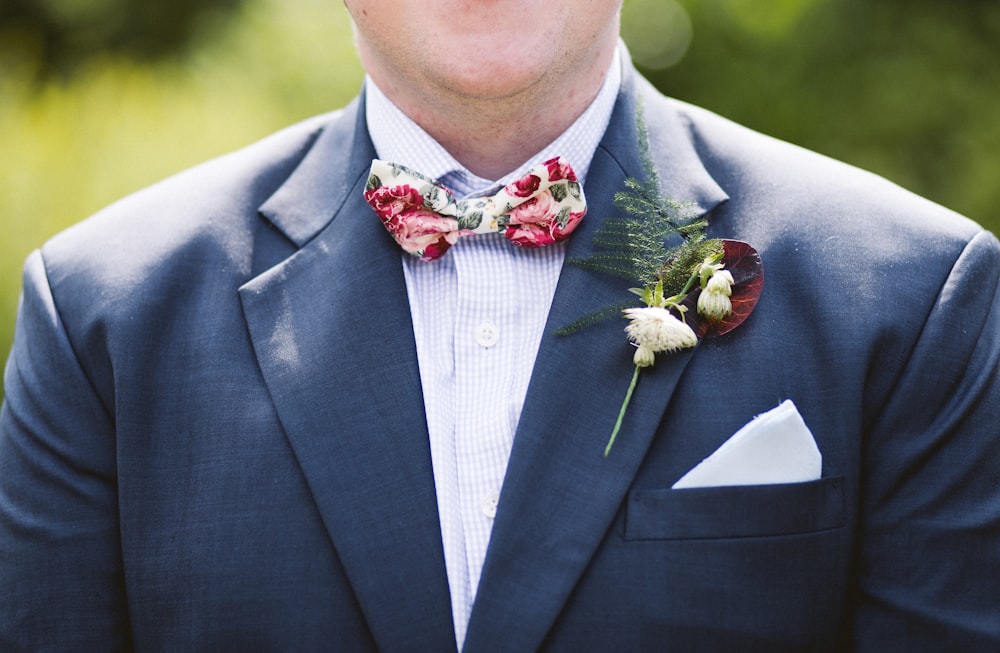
(213, 433)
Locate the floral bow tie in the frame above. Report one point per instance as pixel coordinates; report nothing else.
(541, 208)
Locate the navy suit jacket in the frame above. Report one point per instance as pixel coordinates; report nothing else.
(213, 435)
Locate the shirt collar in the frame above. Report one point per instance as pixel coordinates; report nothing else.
(397, 138)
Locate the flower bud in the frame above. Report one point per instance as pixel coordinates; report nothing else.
(644, 356)
(721, 282)
(713, 302)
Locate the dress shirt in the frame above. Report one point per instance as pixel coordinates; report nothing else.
(478, 315)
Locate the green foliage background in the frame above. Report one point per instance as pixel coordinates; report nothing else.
(907, 88)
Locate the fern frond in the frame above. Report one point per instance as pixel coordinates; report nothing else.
(622, 269)
(659, 242)
(595, 317)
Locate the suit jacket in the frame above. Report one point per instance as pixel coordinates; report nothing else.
(213, 435)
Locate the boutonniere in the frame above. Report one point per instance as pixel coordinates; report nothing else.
(691, 287)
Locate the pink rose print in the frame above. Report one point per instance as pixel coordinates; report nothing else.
(559, 170)
(537, 209)
(524, 187)
(537, 226)
(530, 235)
(390, 201)
(417, 229)
(422, 230)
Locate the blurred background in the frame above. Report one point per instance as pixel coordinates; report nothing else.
(99, 98)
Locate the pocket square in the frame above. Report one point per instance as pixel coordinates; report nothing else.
(775, 447)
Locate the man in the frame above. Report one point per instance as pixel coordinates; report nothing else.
(238, 417)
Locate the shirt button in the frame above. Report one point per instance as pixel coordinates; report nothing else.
(487, 334)
(489, 505)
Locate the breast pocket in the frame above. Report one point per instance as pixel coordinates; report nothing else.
(738, 511)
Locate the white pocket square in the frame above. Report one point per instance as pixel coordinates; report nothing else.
(775, 447)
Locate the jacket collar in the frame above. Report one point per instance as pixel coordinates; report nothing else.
(560, 494)
(333, 338)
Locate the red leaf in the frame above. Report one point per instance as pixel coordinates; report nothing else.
(743, 262)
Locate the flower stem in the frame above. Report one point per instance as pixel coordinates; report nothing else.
(621, 413)
(690, 283)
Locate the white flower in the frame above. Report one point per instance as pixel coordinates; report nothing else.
(655, 329)
(713, 302)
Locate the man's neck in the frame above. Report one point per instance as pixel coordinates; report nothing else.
(491, 136)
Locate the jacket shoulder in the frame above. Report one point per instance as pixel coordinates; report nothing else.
(803, 187)
(190, 240)
(211, 208)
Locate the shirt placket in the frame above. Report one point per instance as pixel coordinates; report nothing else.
(485, 347)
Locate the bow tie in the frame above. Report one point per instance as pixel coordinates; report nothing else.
(541, 208)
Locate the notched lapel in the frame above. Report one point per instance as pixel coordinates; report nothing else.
(332, 333)
(560, 494)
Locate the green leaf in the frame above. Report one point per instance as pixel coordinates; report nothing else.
(470, 220)
(431, 194)
(563, 218)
